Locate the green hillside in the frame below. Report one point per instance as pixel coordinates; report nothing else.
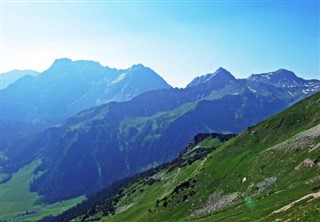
(270, 172)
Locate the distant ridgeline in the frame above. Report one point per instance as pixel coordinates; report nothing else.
(12, 76)
(80, 153)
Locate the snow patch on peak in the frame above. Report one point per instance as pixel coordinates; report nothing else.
(120, 77)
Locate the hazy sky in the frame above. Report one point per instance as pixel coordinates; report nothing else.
(179, 40)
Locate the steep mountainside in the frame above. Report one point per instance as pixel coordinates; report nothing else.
(34, 103)
(135, 135)
(268, 172)
(12, 76)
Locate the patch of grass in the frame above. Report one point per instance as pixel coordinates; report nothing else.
(210, 143)
(17, 203)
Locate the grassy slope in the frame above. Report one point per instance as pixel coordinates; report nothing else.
(15, 198)
(272, 148)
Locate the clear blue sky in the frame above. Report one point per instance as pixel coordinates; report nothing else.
(179, 40)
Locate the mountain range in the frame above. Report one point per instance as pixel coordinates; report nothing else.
(269, 172)
(68, 87)
(80, 155)
(34, 102)
(78, 127)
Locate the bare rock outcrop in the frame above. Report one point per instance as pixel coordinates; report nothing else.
(307, 163)
(216, 202)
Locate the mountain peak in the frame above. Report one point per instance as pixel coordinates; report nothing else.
(139, 68)
(284, 73)
(221, 76)
(62, 61)
(138, 76)
(279, 76)
(139, 65)
(223, 72)
(64, 64)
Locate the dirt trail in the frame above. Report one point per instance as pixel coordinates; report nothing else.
(312, 197)
(170, 182)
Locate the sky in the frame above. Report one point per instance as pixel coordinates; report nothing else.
(178, 39)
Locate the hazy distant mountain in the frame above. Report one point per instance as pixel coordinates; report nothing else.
(148, 130)
(68, 87)
(10, 77)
